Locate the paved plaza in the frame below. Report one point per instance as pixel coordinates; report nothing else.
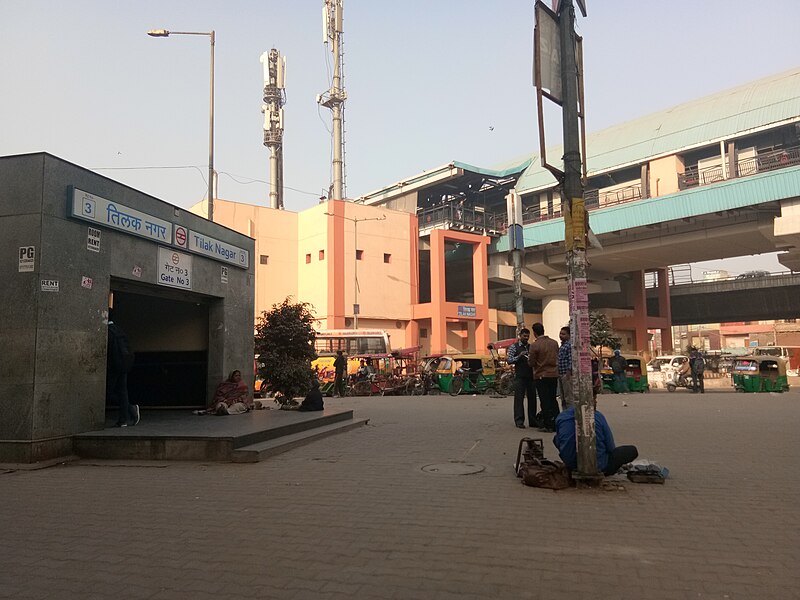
(356, 516)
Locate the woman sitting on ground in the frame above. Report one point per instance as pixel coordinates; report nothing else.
(231, 398)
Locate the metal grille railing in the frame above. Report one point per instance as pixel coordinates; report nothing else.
(764, 161)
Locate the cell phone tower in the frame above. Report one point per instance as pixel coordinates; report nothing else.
(274, 99)
(334, 98)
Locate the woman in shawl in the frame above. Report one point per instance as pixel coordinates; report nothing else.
(231, 398)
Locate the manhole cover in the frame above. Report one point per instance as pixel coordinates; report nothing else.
(454, 468)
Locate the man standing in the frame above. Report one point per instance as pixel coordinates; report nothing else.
(119, 360)
(544, 361)
(517, 356)
(698, 366)
(565, 368)
(340, 364)
(618, 365)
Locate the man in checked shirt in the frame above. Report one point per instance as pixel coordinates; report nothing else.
(517, 356)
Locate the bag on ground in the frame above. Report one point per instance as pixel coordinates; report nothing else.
(543, 473)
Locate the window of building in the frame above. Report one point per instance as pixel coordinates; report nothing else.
(308, 259)
(387, 258)
(264, 259)
(423, 332)
(359, 254)
(322, 254)
(506, 332)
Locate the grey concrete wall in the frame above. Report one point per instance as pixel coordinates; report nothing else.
(52, 381)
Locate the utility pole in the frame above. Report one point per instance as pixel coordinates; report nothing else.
(516, 245)
(274, 99)
(334, 98)
(576, 233)
(558, 71)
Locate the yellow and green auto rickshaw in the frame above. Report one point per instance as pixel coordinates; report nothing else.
(466, 373)
(635, 374)
(759, 374)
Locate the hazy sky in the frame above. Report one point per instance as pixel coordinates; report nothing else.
(428, 82)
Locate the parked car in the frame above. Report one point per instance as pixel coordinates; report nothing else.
(666, 363)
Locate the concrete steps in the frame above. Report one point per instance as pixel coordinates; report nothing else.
(260, 451)
(241, 438)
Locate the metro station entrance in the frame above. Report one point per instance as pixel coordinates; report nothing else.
(168, 331)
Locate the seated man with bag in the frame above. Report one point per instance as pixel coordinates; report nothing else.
(609, 457)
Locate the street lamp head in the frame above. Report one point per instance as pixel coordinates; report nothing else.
(158, 33)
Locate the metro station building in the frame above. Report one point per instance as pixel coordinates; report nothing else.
(76, 244)
(713, 178)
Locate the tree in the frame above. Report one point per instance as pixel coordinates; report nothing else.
(284, 342)
(601, 332)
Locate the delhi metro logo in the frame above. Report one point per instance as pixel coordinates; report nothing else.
(180, 237)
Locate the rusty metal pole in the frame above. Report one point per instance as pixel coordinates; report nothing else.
(575, 224)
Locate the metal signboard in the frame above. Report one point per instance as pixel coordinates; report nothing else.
(27, 258)
(174, 268)
(467, 311)
(118, 216)
(203, 244)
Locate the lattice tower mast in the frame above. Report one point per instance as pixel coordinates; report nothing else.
(274, 99)
(335, 97)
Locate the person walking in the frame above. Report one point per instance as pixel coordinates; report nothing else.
(565, 368)
(119, 361)
(517, 356)
(698, 365)
(340, 366)
(618, 365)
(544, 362)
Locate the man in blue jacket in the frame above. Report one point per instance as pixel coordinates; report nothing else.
(609, 457)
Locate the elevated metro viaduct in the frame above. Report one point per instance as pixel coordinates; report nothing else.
(714, 178)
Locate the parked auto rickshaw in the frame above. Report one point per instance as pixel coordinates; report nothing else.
(759, 374)
(466, 373)
(635, 374)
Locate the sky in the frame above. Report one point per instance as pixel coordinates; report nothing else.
(428, 82)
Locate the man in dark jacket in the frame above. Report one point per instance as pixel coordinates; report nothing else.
(517, 356)
(618, 364)
(340, 365)
(118, 363)
(698, 365)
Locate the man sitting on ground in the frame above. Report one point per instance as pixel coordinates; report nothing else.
(609, 457)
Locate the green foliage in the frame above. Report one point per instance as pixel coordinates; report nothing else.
(602, 334)
(284, 342)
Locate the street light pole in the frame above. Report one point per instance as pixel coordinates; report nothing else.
(212, 36)
(356, 221)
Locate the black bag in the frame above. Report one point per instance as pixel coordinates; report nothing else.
(698, 364)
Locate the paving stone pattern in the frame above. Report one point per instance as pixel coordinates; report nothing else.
(355, 516)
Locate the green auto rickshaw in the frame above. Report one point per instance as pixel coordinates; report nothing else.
(466, 373)
(635, 374)
(759, 374)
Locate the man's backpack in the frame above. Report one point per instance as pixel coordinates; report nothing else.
(698, 364)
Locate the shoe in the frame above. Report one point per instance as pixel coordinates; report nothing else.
(121, 425)
(520, 425)
(138, 414)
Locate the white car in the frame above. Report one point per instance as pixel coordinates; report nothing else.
(667, 363)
